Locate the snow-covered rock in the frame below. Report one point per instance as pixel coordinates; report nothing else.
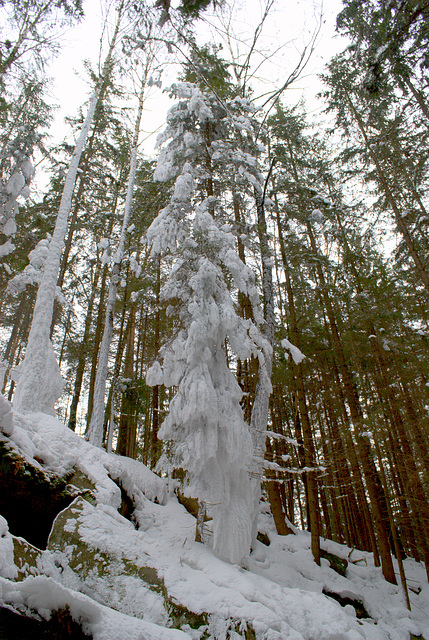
(134, 581)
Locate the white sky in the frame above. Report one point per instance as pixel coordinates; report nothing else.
(287, 31)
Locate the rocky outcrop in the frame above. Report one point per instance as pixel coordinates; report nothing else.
(30, 497)
(88, 559)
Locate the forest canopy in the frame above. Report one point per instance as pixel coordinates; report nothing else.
(245, 311)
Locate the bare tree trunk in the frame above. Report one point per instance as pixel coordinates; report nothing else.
(83, 351)
(308, 444)
(274, 496)
(259, 417)
(155, 391)
(127, 424)
(40, 383)
(372, 479)
(95, 431)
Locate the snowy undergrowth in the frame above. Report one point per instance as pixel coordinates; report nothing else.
(278, 589)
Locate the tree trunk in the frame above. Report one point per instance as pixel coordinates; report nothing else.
(259, 417)
(274, 496)
(95, 431)
(83, 352)
(155, 391)
(40, 383)
(127, 424)
(309, 452)
(372, 479)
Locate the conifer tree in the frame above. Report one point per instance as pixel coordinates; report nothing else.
(205, 417)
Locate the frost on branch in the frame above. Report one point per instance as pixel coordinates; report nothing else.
(16, 186)
(296, 354)
(205, 425)
(32, 273)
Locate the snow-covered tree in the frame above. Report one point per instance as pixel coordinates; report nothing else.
(205, 424)
(40, 382)
(23, 127)
(95, 431)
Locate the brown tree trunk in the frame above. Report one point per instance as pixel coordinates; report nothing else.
(414, 489)
(83, 353)
(155, 391)
(309, 452)
(127, 424)
(372, 478)
(274, 496)
(418, 263)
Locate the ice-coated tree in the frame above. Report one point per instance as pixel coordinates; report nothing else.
(40, 382)
(95, 431)
(205, 425)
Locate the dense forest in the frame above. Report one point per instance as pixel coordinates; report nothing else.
(246, 312)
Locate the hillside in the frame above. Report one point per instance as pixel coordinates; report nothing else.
(102, 538)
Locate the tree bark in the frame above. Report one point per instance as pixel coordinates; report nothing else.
(83, 352)
(40, 383)
(95, 431)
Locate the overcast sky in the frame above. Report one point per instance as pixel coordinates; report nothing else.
(289, 29)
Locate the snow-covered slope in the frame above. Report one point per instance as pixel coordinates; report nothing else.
(277, 591)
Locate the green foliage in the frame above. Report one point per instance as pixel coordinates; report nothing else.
(391, 37)
(209, 71)
(337, 564)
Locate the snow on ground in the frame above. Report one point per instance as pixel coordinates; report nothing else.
(278, 589)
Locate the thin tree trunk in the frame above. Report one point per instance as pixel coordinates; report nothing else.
(95, 431)
(97, 341)
(421, 272)
(40, 383)
(259, 417)
(83, 351)
(155, 391)
(274, 497)
(414, 490)
(372, 479)
(309, 453)
(127, 431)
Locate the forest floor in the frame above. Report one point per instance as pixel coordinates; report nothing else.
(147, 579)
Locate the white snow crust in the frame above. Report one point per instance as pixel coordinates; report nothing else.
(278, 589)
(297, 355)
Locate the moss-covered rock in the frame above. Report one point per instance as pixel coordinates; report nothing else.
(47, 511)
(25, 557)
(85, 559)
(262, 537)
(79, 482)
(181, 616)
(30, 498)
(337, 564)
(89, 561)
